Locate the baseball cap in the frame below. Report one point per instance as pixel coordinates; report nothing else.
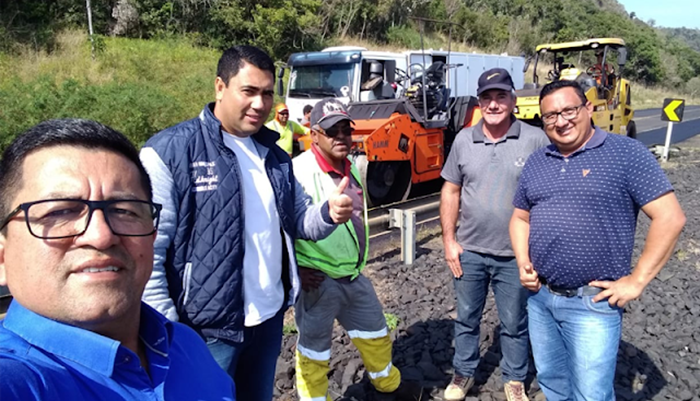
(495, 78)
(328, 112)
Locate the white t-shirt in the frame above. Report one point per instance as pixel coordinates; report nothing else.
(263, 292)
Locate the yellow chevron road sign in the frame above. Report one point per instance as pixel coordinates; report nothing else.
(673, 110)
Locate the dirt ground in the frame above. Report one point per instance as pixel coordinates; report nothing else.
(659, 356)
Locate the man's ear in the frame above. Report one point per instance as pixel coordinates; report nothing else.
(314, 136)
(219, 87)
(589, 107)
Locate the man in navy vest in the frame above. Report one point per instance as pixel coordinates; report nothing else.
(224, 256)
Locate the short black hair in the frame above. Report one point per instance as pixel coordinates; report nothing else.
(233, 58)
(63, 132)
(561, 84)
(308, 108)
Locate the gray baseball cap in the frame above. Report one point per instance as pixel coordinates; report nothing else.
(328, 112)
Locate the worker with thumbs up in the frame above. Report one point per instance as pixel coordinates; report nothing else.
(330, 269)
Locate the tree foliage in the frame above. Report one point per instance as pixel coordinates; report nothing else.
(656, 56)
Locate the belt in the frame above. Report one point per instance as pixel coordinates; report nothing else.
(583, 291)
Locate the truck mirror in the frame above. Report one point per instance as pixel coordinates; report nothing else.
(280, 84)
(622, 56)
(527, 63)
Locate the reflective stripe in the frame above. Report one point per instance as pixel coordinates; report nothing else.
(367, 335)
(324, 398)
(186, 279)
(383, 373)
(315, 355)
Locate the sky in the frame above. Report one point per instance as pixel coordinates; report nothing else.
(668, 13)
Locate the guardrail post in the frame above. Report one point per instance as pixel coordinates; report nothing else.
(406, 221)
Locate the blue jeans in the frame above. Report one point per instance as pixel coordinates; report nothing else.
(257, 356)
(574, 342)
(502, 272)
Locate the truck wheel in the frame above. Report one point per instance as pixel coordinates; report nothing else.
(384, 182)
(632, 130)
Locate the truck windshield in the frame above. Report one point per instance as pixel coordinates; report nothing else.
(321, 80)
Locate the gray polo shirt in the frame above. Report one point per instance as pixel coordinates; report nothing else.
(488, 174)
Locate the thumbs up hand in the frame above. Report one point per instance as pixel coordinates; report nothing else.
(529, 278)
(339, 204)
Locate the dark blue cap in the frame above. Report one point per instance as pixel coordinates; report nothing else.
(495, 78)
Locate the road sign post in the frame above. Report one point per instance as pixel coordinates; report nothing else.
(672, 111)
(667, 144)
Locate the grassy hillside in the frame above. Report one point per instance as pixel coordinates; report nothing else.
(136, 86)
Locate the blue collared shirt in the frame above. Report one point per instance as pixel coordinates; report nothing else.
(42, 359)
(584, 207)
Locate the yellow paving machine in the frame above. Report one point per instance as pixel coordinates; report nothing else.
(589, 63)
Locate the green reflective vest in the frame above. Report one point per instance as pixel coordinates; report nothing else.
(338, 255)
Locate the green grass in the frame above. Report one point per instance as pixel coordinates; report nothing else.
(136, 86)
(392, 321)
(289, 328)
(648, 97)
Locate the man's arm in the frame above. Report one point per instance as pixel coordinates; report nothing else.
(299, 130)
(520, 240)
(313, 221)
(156, 293)
(667, 221)
(449, 212)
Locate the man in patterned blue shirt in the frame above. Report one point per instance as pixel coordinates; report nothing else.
(573, 231)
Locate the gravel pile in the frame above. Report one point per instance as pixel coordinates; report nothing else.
(658, 359)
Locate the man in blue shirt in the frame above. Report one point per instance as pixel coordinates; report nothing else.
(76, 251)
(573, 231)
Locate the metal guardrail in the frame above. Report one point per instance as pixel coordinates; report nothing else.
(404, 216)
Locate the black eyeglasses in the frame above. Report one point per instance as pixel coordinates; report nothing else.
(334, 131)
(64, 218)
(567, 114)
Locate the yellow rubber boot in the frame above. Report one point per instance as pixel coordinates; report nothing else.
(376, 355)
(312, 378)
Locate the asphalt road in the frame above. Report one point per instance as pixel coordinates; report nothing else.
(651, 130)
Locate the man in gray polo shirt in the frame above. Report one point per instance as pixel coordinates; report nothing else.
(481, 175)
